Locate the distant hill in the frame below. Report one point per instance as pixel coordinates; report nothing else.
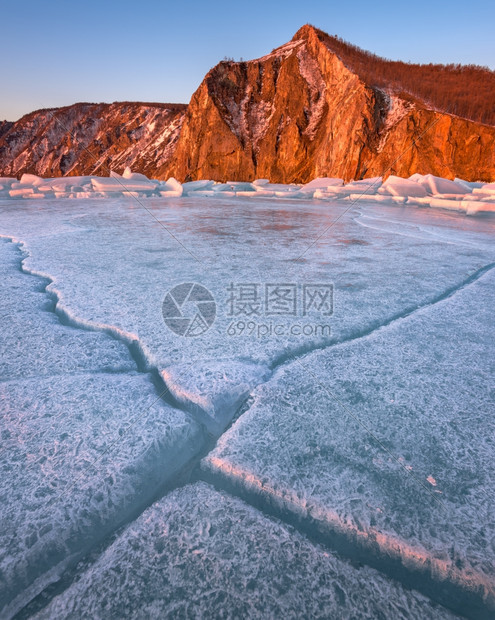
(91, 138)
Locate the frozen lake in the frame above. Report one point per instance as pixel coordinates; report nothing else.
(248, 407)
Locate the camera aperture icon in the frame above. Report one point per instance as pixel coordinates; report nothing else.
(189, 309)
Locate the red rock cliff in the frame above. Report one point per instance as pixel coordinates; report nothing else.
(299, 113)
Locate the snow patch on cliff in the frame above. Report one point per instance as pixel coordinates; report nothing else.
(249, 120)
(310, 71)
(280, 52)
(397, 109)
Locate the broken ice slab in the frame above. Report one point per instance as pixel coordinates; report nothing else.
(86, 439)
(34, 342)
(81, 455)
(395, 186)
(198, 553)
(385, 447)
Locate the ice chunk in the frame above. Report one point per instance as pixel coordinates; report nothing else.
(134, 176)
(469, 185)
(115, 185)
(323, 183)
(20, 192)
(369, 186)
(443, 203)
(172, 188)
(485, 189)
(193, 186)
(477, 206)
(438, 185)
(63, 184)
(275, 187)
(31, 179)
(396, 186)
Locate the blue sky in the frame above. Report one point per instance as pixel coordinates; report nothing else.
(58, 52)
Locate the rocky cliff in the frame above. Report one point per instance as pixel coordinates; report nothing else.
(315, 106)
(89, 138)
(300, 112)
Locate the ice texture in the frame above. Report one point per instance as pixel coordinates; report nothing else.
(192, 240)
(35, 343)
(387, 441)
(198, 553)
(86, 439)
(87, 348)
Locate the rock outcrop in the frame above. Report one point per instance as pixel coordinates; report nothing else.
(300, 113)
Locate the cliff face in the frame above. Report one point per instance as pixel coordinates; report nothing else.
(299, 113)
(426, 141)
(293, 115)
(88, 138)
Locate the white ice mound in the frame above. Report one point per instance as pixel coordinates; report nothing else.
(323, 183)
(368, 186)
(438, 185)
(134, 176)
(172, 188)
(397, 186)
(31, 179)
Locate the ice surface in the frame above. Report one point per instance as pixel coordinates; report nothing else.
(34, 343)
(112, 262)
(387, 441)
(260, 243)
(201, 554)
(86, 439)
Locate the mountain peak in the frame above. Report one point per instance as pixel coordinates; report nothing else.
(305, 32)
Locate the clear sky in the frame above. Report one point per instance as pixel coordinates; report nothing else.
(59, 52)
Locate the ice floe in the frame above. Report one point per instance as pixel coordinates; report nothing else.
(418, 190)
